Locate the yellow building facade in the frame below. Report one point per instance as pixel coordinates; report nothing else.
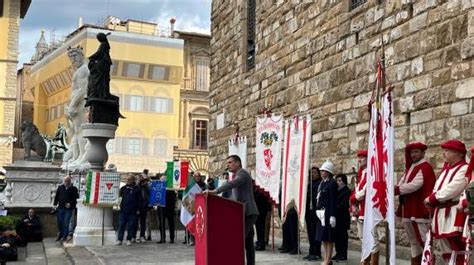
(10, 13)
(146, 75)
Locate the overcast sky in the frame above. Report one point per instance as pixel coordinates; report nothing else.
(61, 16)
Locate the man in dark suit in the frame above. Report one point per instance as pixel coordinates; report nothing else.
(242, 191)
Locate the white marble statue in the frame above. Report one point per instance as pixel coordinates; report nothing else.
(76, 111)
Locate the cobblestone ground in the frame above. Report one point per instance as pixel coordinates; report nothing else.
(177, 253)
(51, 252)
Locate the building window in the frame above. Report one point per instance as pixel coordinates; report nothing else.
(251, 14)
(52, 113)
(1, 8)
(133, 146)
(202, 74)
(136, 103)
(161, 105)
(160, 147)
(110, 146)
(114, 68)
(47, 115)
(158, 72)
(134, 70)
(356, 3)
(200, 134)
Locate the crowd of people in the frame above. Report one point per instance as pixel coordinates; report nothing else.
(426, 202)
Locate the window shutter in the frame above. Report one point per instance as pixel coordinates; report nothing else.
(142, 71)
(194, 134)
(118, 145)
(146, 103)
(127, 102)
(174, 74)
(150, 72)
(1, 7)
(121, 101)
(124, 145)
(251, 19)
(152, 104)
(170, 105)
(144, 146)
(124, 69)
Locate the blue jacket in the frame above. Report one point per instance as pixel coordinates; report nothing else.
(131, 199)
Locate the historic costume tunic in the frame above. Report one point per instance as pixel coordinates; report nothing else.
(448, 221)
(415, 185)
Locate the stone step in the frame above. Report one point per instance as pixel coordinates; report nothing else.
(55, 253)
(81, 256)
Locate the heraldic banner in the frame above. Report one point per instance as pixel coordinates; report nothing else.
(102, 188)
(379, 194)
(296, 165)
(268, 154)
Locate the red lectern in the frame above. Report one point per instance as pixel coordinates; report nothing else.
(219, 231)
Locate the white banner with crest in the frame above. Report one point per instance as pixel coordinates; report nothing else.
(268, 154)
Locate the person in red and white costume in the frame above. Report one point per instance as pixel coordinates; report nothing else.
(357, 201)
(447, 224)
(414, 186)
(357, 198)
(463, 206)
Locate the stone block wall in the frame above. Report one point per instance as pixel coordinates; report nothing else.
(319, 58)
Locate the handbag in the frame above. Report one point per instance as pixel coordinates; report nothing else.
(321, 216)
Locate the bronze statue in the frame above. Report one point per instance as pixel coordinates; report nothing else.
(32, 140)
(104, 107)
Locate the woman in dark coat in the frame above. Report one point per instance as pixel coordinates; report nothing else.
(343, 218)
(326, 211)
(310, 215)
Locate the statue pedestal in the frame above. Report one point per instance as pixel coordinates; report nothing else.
(98, 135)
(90, 219)
(89, 226)
(31, 184)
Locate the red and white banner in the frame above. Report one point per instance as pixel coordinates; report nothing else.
(268, 154)
(296, 164)
(379, 203)
(238, 146)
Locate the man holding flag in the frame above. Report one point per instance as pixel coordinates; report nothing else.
(415, 185)
(242, 189)
(448, 222)
(379, 195)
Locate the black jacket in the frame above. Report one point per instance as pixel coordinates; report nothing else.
(145, 191)
(63, 196)
(131, 199)
(31, 223)
(343, 218)
(311, 197)
(170, 199)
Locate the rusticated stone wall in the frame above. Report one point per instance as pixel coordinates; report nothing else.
(319, 57)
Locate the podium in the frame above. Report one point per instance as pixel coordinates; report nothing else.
(219, 231)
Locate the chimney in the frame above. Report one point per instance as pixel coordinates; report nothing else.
(80, 22)
(172, 21)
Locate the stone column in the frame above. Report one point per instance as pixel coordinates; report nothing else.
(90, 220)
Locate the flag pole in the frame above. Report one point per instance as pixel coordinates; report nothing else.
(387, 230)
(273, 227)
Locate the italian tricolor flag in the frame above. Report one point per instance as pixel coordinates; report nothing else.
(187, 212)
(102, 188)
(177, 174)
